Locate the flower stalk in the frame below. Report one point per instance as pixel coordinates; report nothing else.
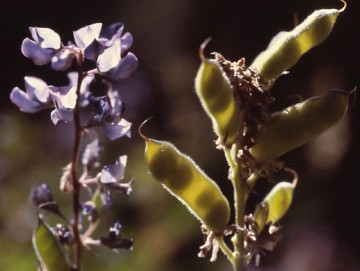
(74, 164)
(240, 196)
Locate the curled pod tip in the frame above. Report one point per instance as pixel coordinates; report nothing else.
(202, 48)
(141, 126)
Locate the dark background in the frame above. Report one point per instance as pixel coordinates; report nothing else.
(322, 228)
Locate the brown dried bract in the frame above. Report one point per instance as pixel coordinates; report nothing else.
(250, 92)
(257, 242)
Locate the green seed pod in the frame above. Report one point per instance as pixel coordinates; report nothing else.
(286, 48)
(217, 98)
(279, 200)
(276, 203)
(189, 184)
(299, 123)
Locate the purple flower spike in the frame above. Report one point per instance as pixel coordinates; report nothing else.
(34, 99)
(43, 47)
(64, 99)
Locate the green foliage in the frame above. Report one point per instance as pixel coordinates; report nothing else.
(48, 250)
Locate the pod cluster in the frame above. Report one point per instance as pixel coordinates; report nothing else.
(188, 183)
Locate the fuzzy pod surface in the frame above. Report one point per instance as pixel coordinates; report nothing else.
(299, 123)
(217, 98)
(277, 201)
(188, 183)
(286, 48)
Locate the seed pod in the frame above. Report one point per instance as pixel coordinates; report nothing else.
(276, 203)
(286, 48)
(189, 184)
(279, 200)
(217, 98)
(299, 123)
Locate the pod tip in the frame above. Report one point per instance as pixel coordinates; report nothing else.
(140, 127)
(202, 48)
(295, 176)
(344, 6)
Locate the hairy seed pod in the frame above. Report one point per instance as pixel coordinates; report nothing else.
(286, 48)
(189, 184)
(276, 203)
(279, 200)
(299, 123)
(217, 98)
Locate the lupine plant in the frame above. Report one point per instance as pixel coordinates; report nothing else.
(105, 50)
(237, 99)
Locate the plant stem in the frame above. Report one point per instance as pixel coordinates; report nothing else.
(240, 196)
(224, 248)
(75, 179)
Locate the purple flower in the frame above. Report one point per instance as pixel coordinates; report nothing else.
(111, 63)
(108, 114)
(35, 97)
(64, 99)
(85, 94)
(39, 95)
(115, 172)
(45, 44)
(64, 58)
(41, 195)
(111, 176)
(42, 198)
(106, 46)
(117, 129)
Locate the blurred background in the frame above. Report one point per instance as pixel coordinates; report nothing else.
(321, 230)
